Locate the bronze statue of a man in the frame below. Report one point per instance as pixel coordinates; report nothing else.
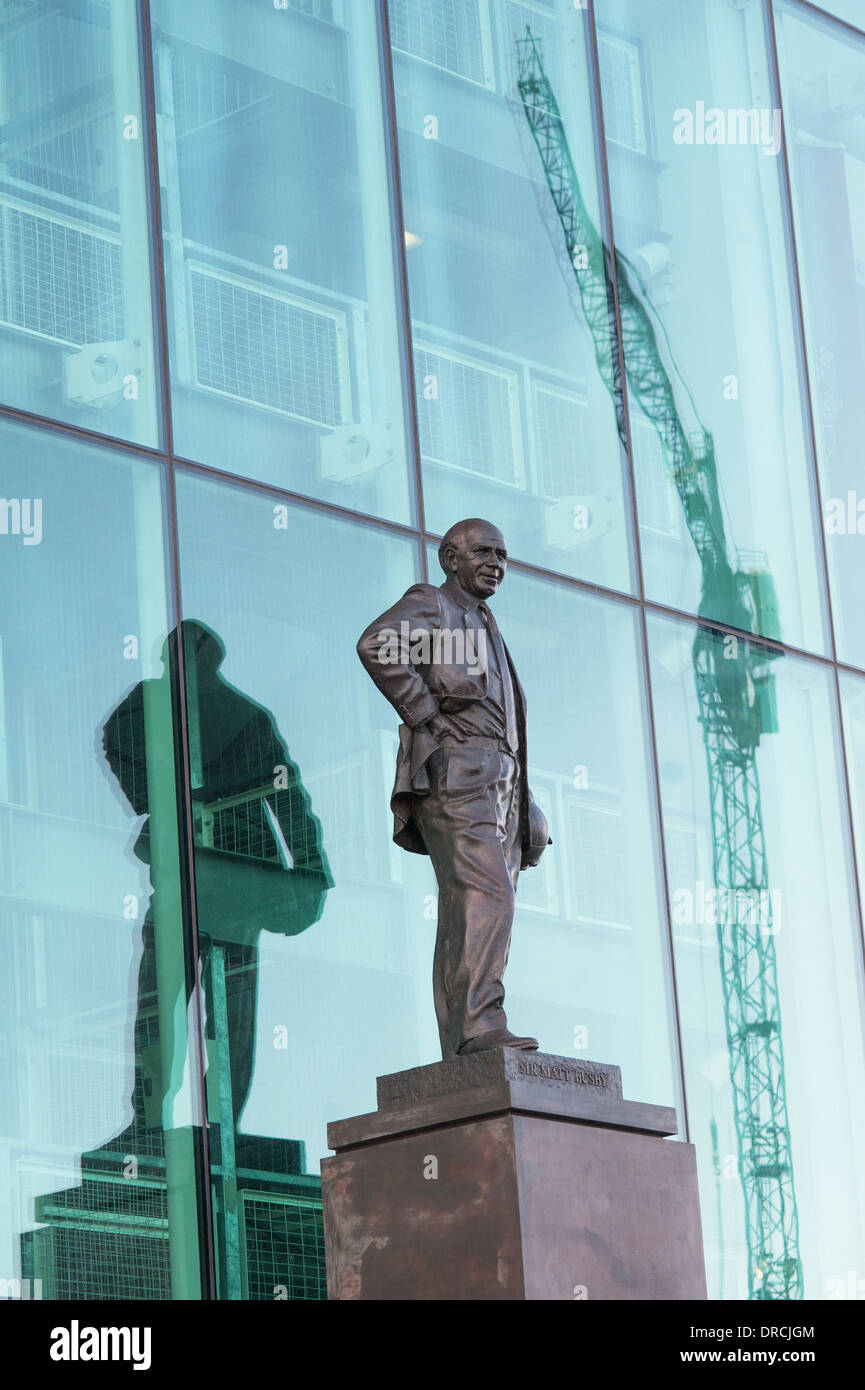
(461, 793)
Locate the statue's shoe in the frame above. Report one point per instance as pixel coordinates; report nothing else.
(501, 1037)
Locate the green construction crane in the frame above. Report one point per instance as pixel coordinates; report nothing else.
(735, 695)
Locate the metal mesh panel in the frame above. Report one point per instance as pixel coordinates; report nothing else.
(203, 91)
(599, 870)
(544, 28)
(688, 861)
(624, 119)
(468, 422)
(93, 1264)
(244, 828)
(245, 812)
(319, 9)
(50, 57)
(538, 888)
(124, 735)
(59, 280)
(561, 425)
(14, 9)
(341, 797)
(284, 1247)
(658, 505)
(78, 1087)
(267, 349)
(448, 33)
(71, 162)
(106, 1239)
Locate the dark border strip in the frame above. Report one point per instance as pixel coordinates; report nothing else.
(400, 258)
(207, 1234)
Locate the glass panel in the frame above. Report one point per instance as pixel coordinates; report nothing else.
(76, 338)
(768, 960)
(853, 11)
(311, 940)
(853, 710)
(98, 1198)
(822, 70)
(332, 986)
(724, 481)
(513, 390)
(279, 248)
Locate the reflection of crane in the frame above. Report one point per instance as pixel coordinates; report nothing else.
(735, 695)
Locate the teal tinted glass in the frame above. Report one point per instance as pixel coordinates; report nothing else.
(514, 344)
(311, 944)
(279, 248)
(76, 338)
(324, 928)
(728, 527)
(853, 711)
(99, 1095)
(822, 72)
(768, 960)
(851, 11)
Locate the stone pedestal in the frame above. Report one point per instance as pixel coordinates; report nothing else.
(511, 1175)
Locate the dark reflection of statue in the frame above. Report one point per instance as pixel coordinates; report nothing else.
(259, 865)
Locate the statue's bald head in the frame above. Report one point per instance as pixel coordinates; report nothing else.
(474, 555)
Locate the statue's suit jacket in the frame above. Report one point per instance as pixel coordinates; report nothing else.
(419, 691)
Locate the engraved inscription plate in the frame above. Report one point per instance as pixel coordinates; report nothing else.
(496, 1068)
(571, 1075)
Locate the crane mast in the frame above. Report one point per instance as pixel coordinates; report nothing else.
(735, 696)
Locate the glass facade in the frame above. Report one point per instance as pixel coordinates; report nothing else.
(75, 302)
(828, 178)
(286, 288)
(731, 424)
(278, 235)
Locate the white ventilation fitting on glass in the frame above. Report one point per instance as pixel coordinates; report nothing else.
(352, 452)
(269, 348)
(98, 373)
(453, 35)
(469, 415)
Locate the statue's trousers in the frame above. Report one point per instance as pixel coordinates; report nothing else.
(470, 824)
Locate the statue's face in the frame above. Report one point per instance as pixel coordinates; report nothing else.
(478, 560)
